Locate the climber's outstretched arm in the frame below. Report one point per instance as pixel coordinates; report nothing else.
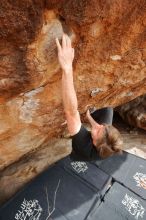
(70, 103)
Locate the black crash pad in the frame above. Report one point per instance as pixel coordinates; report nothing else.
(119, 204)
(87, 172)
(71, 198)
(75, 189)
(127, 169)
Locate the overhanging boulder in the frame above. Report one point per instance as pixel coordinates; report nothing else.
(109, 68)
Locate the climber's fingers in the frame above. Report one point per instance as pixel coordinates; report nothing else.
(64, 41)
(68, 41)
(58, 45)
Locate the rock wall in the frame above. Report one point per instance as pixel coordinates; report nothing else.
(109, 37)
(134, 112)
(15, 176)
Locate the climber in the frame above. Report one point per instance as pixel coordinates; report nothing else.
(104, 140)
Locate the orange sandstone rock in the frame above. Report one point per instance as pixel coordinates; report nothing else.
(109, 68)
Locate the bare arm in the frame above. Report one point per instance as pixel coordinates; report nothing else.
(90, 119)
(66, 56)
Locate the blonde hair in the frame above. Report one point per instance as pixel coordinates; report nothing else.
(111, 142)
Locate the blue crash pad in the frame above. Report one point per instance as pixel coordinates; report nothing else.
(73, 198)
(75, 189)
(119, 204)
(128, 170)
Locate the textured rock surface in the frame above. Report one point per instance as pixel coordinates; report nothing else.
(110, 64)
(134, 112)
(14, 177)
